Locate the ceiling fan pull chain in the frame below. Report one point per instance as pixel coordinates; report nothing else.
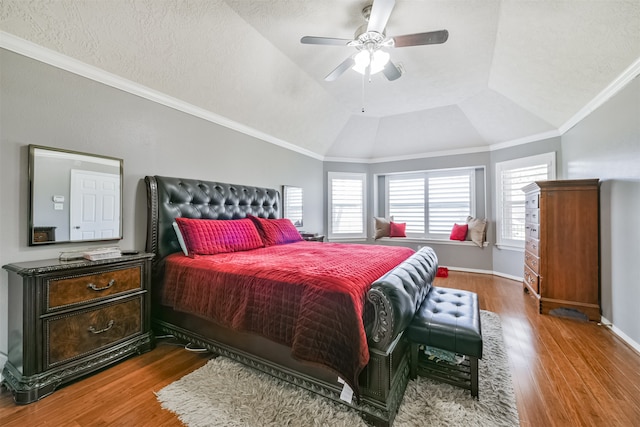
(363, 78)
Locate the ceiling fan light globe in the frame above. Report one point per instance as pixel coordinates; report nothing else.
(380, 59)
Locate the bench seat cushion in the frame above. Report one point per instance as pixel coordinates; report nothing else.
(448, 319)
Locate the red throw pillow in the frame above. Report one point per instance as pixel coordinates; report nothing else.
(397, 229)
(211, 236)
(276, 231)
(459, 232)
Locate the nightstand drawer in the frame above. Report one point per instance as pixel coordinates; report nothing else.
(80, 289)
(80, 333)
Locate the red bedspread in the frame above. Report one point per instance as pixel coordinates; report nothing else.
(307, 295)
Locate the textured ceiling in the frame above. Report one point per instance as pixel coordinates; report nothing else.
(509, 70)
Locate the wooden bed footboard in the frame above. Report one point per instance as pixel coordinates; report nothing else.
(382, 382)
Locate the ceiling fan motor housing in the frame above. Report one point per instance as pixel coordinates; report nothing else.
(367, 39)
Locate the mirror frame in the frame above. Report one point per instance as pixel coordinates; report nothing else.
(286, 193)
(72, 154)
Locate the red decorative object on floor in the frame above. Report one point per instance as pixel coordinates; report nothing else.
(442, 272)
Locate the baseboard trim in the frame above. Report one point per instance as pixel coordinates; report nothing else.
(491, 272)
(624, 337)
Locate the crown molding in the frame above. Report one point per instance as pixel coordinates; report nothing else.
(525, 140)
(72, 65)
(460, 151)
(613, 88)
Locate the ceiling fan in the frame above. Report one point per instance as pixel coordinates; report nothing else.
(370, 39)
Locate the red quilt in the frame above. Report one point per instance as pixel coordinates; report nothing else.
(307, 295)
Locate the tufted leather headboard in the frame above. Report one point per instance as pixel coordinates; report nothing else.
(169, 198)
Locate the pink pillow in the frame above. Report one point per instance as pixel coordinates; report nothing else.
(459, 232)
(276, 231)
(397, 229)
(211, 236)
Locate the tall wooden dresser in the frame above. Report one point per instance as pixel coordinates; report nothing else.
(562, 247)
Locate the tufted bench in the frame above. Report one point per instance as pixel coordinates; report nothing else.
(448, 319)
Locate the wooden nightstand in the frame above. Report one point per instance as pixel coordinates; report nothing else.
(313, 237)
(70, 318)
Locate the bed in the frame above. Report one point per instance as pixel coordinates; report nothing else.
(300, 311)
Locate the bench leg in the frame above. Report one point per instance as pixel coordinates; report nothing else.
(473, 364)
(413, 359)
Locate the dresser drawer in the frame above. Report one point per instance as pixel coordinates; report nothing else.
(531, 201)
(532, 230)
(77, 334)
(532, 216)
(532, 261)
(532, 280)
(62, 292)
(532, 245)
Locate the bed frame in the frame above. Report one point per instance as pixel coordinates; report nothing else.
(383, 381)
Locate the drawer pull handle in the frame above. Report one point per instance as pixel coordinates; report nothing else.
(95, 288)
(94, 331)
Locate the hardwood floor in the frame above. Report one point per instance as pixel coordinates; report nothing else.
(565, 373)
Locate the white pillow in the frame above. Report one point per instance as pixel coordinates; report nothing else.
(180, 238)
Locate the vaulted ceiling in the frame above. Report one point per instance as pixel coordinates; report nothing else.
(511, 70)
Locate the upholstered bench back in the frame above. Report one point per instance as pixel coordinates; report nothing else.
(401, 292)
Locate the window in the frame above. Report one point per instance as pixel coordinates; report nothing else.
(431, 202)
(292, 204)
(347, 205)
(511, 176)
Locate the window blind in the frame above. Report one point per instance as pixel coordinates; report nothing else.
(347, 206)
(449, 202)
(430, 202)
(513, 212)
(406, 203)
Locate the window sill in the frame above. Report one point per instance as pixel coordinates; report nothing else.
(510, 248)
(430, 241)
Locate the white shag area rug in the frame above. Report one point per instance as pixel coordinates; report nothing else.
(226, 393)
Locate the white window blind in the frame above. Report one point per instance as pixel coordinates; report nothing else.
(431, 202)
(511, 177)
(406, 202)
(449, 202)
(346, 205)
(292, 204)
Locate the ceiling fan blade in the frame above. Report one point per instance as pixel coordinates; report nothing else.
(325, 41)
(340, 69)
(380, 13)
(432, 37)
(391, 71)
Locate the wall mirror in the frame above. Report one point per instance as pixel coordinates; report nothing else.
(292, 204)
(75, 197)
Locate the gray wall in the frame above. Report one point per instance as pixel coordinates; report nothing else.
(606, 145)
(43, 105)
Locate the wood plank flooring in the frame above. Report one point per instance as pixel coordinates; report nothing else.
(565, 373)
